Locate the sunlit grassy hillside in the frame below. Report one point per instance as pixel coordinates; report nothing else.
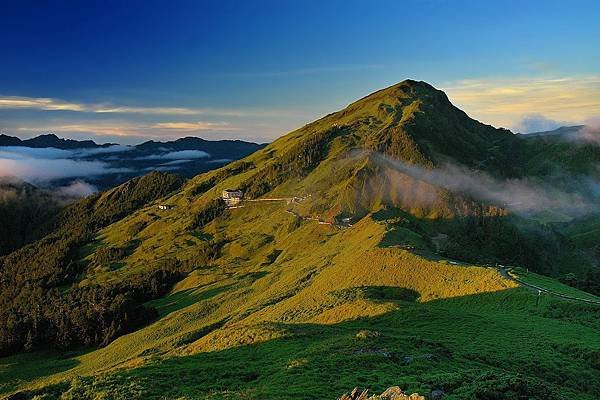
(336, 271)
(289, 305)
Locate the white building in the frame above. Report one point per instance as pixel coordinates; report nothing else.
(232, 197)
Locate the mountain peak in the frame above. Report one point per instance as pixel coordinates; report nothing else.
(415, 122)
(410, 121)
(49, 136)
(411, 84)
(406, 89)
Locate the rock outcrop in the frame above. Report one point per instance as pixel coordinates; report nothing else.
(392, 393)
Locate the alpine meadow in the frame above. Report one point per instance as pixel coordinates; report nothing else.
(396, 249)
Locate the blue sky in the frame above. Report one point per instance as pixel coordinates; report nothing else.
(129, 71)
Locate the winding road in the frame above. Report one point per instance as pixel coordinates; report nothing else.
(505, 273)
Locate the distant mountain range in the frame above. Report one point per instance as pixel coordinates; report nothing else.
(217, 148)
(562, 131)
(50, 140)
(107, 165)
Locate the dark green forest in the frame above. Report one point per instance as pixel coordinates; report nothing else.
(40, 306)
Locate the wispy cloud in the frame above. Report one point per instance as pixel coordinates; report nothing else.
(95, 128)
(74, 190)
(194, 126)
(53, 104)
(538, 123)
(39, 104)
(504, 102)
(158, 130)
(522, 196)
(50, 104)
(176, 155)
(19, 152)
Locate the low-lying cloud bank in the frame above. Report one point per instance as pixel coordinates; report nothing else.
(40, 166)
(501, 102)
(176, 155)
(74, 190)
(582, 134)
(521, 196)
(590, 133)
(17, 152)
(15, 192)
(538, 123)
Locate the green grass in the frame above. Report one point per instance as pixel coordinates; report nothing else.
(552, 284)
(400, 236)
(20, 369)
(584, 231)
(319, 277)
(275, 315)
(287, 328)
(469, 346)
(185, 298)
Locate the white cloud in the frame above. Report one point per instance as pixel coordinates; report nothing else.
(505, 102)
(19, 153)
(194, 126)
(176, 162)
(120, 129)
(518, 195)
(162, 168)
(48, 164)
(220, 160)
(102, 150)
(75, 190)
(538, 123)
(52, 104)
(97, 128)
(39, 103)
(177, 155)
(37, 170)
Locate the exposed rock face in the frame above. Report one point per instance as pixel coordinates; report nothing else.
(393, 393)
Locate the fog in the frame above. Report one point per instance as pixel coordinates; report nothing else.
(41, 166)
(40, 170)
(590, 133)
(176, 155)
(521, 196)
(75, 190)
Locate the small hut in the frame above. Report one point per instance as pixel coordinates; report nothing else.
(232, 197)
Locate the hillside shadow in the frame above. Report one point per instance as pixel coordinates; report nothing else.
(254, 276)
(22, 368)
(110, 264)
(378, 294)
(184, 298)
(482, 239)
(458, 345)
(502, 344)
(199, 234)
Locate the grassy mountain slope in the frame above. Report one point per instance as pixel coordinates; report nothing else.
(39, 306)
(288, 305)
(278, 300)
